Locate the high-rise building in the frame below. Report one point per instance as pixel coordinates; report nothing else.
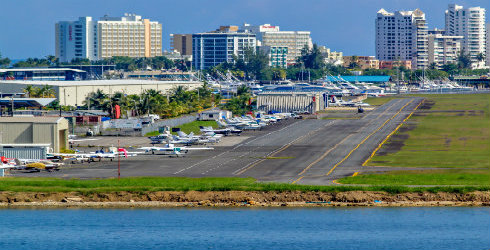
(129, 35)
(76, 39)
(181, 43)
(488, 44)
(469, 23)
(288, 43)
(402, 36)
(213, 48)
(443, 49)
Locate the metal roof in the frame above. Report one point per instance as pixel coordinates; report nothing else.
(373, 79)
(27, 102)
(42, 69)
(98, 82)
(28, 119)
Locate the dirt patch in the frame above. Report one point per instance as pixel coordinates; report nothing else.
(426, 104)
(239, 198)
(396, 141)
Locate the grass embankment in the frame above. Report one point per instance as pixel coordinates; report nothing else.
(448, 131)
(189, 127)
(146, 184)
(194, 126)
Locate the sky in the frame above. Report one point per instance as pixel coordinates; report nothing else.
(27, 26)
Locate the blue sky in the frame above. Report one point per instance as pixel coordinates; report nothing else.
(343, 25)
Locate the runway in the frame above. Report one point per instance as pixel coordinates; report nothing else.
(295, 151)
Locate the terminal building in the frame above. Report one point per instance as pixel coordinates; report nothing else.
(74, 93)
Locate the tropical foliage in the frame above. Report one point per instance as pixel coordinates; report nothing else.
(45, 91)
(178, 101)
(241, 103)
(4, 62)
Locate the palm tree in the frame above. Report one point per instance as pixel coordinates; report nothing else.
(96, 99)
(30, 91)
(46, 92)
(480, 57)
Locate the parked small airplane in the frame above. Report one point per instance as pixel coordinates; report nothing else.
(170, 149)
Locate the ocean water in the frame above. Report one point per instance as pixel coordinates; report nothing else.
(247, 228)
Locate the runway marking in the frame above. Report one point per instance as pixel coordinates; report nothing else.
(390, 134)
(234, 148)
(329, 150)
(284, 147)
(355, 174)
(294, 182)
(365, 139)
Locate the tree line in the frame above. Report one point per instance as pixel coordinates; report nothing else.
(311, 65)
(179, 101)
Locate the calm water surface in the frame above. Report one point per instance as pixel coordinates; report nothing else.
(271, 228)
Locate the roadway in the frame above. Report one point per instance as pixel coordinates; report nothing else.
(294, 151)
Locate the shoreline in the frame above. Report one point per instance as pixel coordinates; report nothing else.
(170, 199)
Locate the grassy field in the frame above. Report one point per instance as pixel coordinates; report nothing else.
(194, 126)
(144, 184)
(378, 101)
(451, 132)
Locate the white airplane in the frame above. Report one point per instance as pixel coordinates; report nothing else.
(170, 149)
(88, 157)
(224, 131)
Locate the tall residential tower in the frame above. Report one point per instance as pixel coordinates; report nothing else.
(402, 36)
(469, 23)
(129, 35)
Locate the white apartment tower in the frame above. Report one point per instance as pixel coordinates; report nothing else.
(402, 36)
(129, 35)
(77, 39)
(443, 49)
(284, 46)
(469, 23)
(488, 44)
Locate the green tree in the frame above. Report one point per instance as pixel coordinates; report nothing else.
(480, 57)
(312, 58)
(4, 62)
(464, 60)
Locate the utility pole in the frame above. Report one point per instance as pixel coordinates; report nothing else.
(118, 161)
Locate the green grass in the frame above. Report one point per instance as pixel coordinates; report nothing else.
(194, 126)
(145, 184)
(425, 177)
(458, 140)
(378, 101)
(154, 133)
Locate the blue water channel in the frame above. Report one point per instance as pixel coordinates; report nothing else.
(247, 228)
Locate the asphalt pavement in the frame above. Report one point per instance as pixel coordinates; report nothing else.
(295, 151)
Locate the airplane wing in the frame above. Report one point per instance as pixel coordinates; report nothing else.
(197, 148)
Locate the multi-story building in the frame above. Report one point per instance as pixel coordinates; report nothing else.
(76, 39)
(129, 35)
(402, 36)
(488, 44)
(213, 48)
(181, 43)
(363, 62)
(331, 57)
(393, 64)
(443, 49)
(469, 23)
(271, 36)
